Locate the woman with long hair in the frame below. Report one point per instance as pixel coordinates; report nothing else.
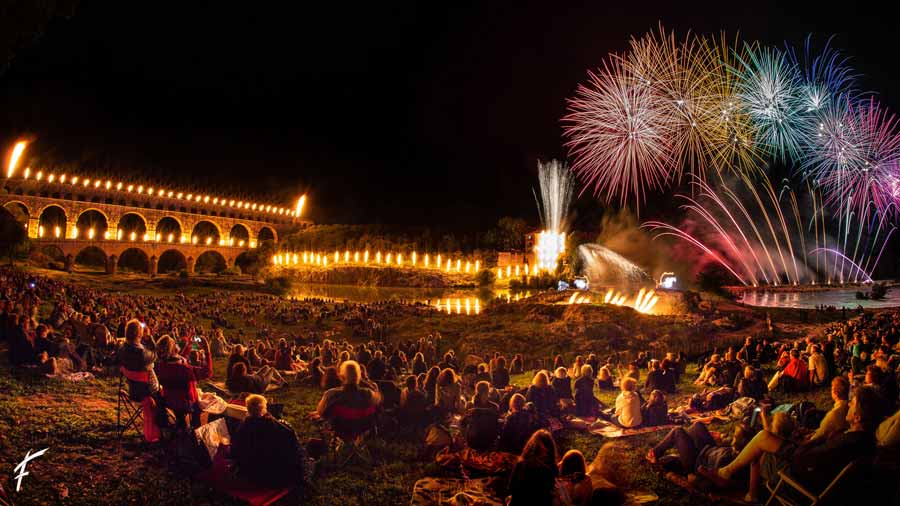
(533, 478)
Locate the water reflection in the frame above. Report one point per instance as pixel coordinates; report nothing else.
(840, 297)
(444, 300)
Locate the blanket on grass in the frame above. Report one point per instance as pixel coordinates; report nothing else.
(455, 492)
(613, 431)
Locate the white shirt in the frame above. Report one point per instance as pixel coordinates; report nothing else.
(819, 367)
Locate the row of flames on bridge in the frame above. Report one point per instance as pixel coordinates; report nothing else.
(643, 302)
(19, 149)
(365, 258)
(159, 237)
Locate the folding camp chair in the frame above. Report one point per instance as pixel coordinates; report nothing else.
(788, 496)
(132, 412)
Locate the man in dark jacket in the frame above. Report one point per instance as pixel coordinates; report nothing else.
(267, 451)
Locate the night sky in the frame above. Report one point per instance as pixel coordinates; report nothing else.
(390, 112)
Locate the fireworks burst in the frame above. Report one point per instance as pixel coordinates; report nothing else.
(759, 236)
(619, 134)
(705, 105)
(768, 91)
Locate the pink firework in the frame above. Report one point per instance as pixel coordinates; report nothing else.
(619, 134)
(869, 163)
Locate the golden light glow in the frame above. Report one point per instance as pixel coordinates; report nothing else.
(208, 241)
(39, 175)
(57, 232)
(300, 203)
(133, 236)
(550, 245)
(14, 157)
(108, 184)
(62, 178)
(141, 189)
(50, 178)
(119, 235)
(40, 231)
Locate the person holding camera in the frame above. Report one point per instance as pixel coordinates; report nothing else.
(179, 378)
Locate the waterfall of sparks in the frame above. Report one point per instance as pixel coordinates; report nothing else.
(557, 187)
(604, 266)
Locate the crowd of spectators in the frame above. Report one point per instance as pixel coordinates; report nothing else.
(469, 402)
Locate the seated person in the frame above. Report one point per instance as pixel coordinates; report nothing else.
(816, 465)
(266, 451)
(628, 405)
(533, 478)
(885, 384)
(481, 424)
(772, 440)
(349, 406)
(888, 433)
(696, 448)
(818, 367)
(656, 410)
(605, 379)
(751, 384)
(448, 393)
(482, 398)
(413, 404)
(710, 369)
(519, 425)
(835, 421)
(585, 403)
(238, 354)
(659, 379)
(218, 346)
(179, 378)
(543, 396)
(562, 384)
(330, 378)
(242, 381)
(794, 377)
(284, 359)
(728, 371)
(573, 485)
(500, 374)
(482, 374)
(65, 363)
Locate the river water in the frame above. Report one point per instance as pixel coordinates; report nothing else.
(837, 297)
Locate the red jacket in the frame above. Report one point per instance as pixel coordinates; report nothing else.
(797, 369)
(179, 379)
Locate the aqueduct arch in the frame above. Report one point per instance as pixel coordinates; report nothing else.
(54, 210)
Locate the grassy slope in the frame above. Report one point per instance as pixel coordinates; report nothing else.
(76, 421)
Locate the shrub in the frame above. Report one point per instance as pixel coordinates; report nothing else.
(234, 270)
(713, 277)
(485, 277)
(279, 285)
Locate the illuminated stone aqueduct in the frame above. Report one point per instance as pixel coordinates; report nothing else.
(74, 218)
